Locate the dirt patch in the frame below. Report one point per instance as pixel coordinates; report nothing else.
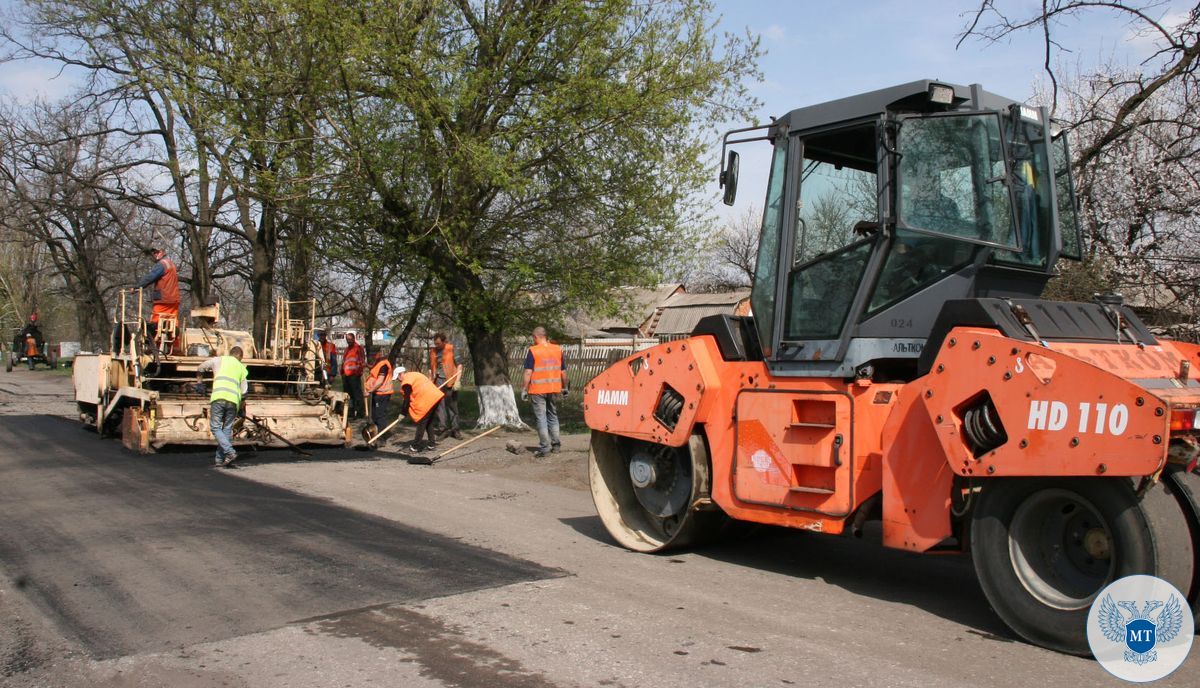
(442, 651)
(567, 468)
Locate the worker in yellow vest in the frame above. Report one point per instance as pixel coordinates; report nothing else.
(545, 381)
(421, 399)
(228, 392)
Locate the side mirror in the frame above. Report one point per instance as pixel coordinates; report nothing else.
(729, 178)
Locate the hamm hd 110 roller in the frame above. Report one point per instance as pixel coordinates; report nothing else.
(145, 389)
(900, 366)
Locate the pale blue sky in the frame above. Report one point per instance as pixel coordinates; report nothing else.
(818, 50)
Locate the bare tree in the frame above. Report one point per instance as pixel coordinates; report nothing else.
(732, 256)
(50, 178)
(1136, 145)
(1174, 61)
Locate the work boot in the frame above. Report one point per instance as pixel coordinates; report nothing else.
(555, 448)
(456, 434)
(541, 453)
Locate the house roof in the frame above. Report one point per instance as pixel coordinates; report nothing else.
(640, 304)
(727, 298)
(682, 312)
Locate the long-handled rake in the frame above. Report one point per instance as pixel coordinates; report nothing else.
(430, 460)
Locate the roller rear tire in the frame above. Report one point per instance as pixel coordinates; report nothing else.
(1043, 548)
(1186, 488)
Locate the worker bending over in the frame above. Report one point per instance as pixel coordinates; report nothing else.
(228, 391)
(421, 399)
(380, 389)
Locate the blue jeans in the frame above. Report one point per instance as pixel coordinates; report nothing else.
(221, 417)
(545, 410)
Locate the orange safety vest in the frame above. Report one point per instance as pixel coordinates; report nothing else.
(547, 369)
(330, 351)
(449, 367)
(31, 348)
(379, 380)
(425, 395)
(352, 363)
(168, 284)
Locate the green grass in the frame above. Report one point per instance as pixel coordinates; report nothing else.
(570, 410)
(60, 371)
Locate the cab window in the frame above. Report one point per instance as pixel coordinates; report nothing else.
(838, 193)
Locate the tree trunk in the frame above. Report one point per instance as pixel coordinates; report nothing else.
(91, 315)
(263, 270)
(489, 360)
(300, 277)
(201, 284)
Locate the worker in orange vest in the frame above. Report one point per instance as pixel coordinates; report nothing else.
(329, 352)
(31, 350)
(379, 386)
(352, 368)
(545, 381)
(421, 399)
(165, 294)
(442, 367)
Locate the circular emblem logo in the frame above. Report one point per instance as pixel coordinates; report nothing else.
(1140, 628)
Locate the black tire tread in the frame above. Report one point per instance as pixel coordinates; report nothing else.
(1154, 521)
(1185, 486)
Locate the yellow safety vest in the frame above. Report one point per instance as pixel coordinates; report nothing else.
(227, 380)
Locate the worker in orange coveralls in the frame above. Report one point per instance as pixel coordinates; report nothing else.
(165, 293)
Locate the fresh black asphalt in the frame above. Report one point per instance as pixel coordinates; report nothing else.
(133, 553)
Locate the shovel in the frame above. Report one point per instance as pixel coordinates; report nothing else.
(430, 460)
(371, 437)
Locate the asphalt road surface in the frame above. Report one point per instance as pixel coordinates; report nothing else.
(487, 570)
